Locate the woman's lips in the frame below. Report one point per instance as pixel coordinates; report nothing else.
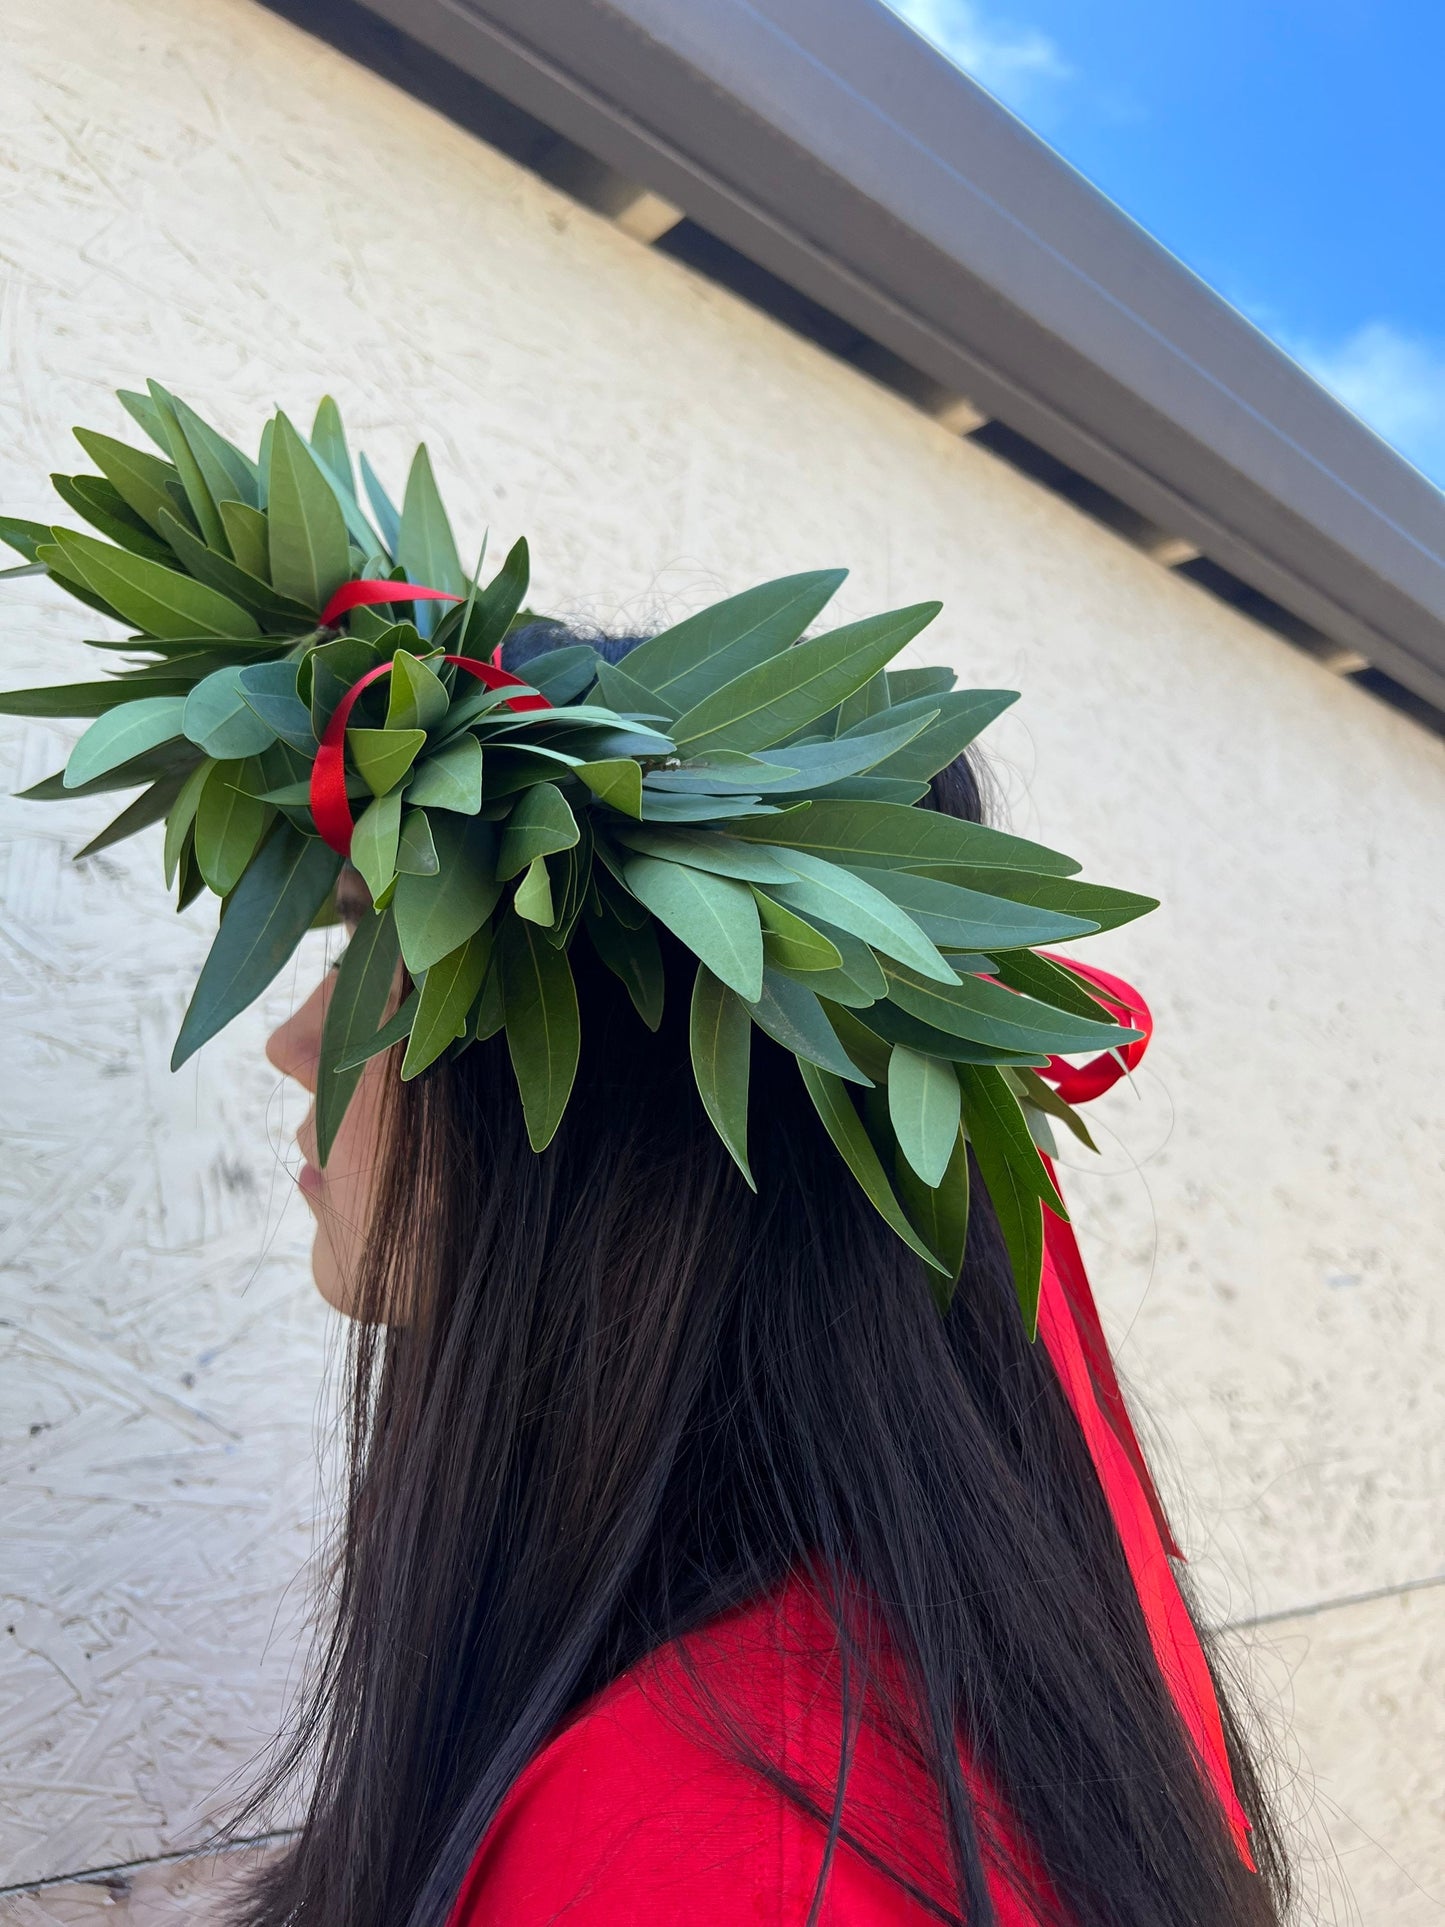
(310, 1180)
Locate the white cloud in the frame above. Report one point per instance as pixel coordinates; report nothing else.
(1394, 381)
(1020, 65)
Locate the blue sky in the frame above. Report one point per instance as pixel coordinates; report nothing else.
(1290, 153)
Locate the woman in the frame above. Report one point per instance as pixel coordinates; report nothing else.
(693, 1567)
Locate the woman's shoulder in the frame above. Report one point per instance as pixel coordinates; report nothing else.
(661, 1801)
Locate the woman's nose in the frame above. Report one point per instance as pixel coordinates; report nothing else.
(293, 1047)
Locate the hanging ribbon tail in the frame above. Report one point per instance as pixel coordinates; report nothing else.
(1171, 1631)
(1067, 1263)
(1074, 1339)
(1076, 1084)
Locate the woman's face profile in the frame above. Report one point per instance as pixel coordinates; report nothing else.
(339, 1196)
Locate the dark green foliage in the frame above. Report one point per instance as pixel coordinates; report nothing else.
(750, 792)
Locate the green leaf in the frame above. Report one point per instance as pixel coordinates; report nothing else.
(562, 675)
(533, 899)
(447, 995)
(229, 826)
(495, 607)
(700, 655)
(725, 772)
(84, 698)
(541, 823)
(793, 1017)
(417, 698)
(907, 685)
(269, 912)
(387, 519)
(871, 700)
(969, 919)
(633, 957)
(817, 765)
(716, 917)
(220, 720)
(858, 964)
(309, 552)
(416, 852)
(450, 780)
(25, 537)
(328, 439)
(661, 808)
(193, 481)
(617, 782)
(487, 1015)
(383, 756)
(360, 993)
(325, 675)
(181, 818)
(720, 1038)
(229, 579)
(52, 560)
(435, 914)
(961, 717)
(877, 789)
(792, 944)
(617, 690)
(988, 1014)
(396, 1027)
(923, 1105)
(103, 506)
(127, 731)
(140, 478)
(838, 896)
(939, 1214)
(1047, 979)
(1100, 905)
(269, 688)
(899, 1027)
(773, 701)
(711, 850)
(845, 1127)
(897, 836)
(363, 536)
(228, 474)
(426, 548)
(1034, 1093)
(1008, 1163)
(246, 534)
(374, 841)
(544, 1034)
(143, 411)
(161, 601)
(149, 807)
(572, 871)
(164, 762)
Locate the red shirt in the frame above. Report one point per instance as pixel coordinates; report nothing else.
(641, 1811)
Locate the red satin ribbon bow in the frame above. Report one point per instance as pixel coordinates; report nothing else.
(1074, 1339)
(330, 805)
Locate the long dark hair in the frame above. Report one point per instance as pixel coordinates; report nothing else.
(624, 1395)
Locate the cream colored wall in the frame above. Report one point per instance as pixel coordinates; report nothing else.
(197, 191)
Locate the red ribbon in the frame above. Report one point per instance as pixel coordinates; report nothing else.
(1077, 1083)
(1074, 1339)
(362, 595)
(330, 805)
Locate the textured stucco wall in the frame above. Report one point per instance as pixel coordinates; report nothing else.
(199, 192)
